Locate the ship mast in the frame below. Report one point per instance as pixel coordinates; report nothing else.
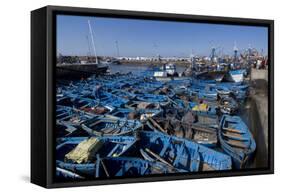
(92, 39)
(117, 48)
(235, 58)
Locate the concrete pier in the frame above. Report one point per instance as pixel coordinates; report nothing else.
(259, 74)
(259, 96)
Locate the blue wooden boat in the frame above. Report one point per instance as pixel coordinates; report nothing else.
(202, 93)
(222, 91)
(105, 98)
(114, 167)
(236, 140)
(122, 94)
(67, 174)
(165, 91)
(208, 95)
(76, 101)
(70, 116)
(179, 153)
(240, 90)
(64, 129)
(133, 167)
(108, 147)
(135, 114)
(152, 98)
(228, 105)
(113, 146)
(141, 105)
(211, 121)
(87, 105)
(202, 108)
(110, 125)
(201, 133)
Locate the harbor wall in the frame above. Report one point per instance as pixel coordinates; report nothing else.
(259, 74)
(259, 96)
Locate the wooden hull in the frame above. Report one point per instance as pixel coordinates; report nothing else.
(179, 153)
(79, 71)
(236, 140)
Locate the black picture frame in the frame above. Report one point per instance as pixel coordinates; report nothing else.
(43, 57)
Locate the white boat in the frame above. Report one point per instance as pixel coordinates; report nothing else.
(236, 75)
(166, 72)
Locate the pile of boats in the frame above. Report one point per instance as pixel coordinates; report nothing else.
(133, 125)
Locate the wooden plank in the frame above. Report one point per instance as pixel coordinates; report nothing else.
(232, 130)
(156, 124)
(159, 158)
(235, 143)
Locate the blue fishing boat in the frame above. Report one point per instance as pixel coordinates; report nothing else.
(66, 174)
(165, 91)
(141, 105)
(239, 90)
(132, 167)
(202, 108)
(70, 116)
(122, 94)
(152, 98)
(113, 146)
(228, 105)
(64, 129)
(202, 93)
(76, 101)
(115, 167)
(100, 148)
(207, 95)
(110, 125)
(207, 120)
(135, 114)
(86, 104)
(106, 98)
(223, 91)
(236, 140)
(186, 128)
(179, 153)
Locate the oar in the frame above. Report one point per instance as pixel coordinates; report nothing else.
(159, 158)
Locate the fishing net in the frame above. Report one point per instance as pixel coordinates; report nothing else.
(84, 151)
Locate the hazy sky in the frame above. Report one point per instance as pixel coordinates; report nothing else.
(150, 38)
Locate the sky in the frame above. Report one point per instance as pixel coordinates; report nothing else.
(151, 37)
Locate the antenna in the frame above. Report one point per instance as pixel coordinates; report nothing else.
(235, 52)
(235, 46)
(93, 42)
(192, 58)
(155, 46)
(213, 53)
(117, 47)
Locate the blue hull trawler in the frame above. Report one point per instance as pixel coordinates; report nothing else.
(236, 140)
